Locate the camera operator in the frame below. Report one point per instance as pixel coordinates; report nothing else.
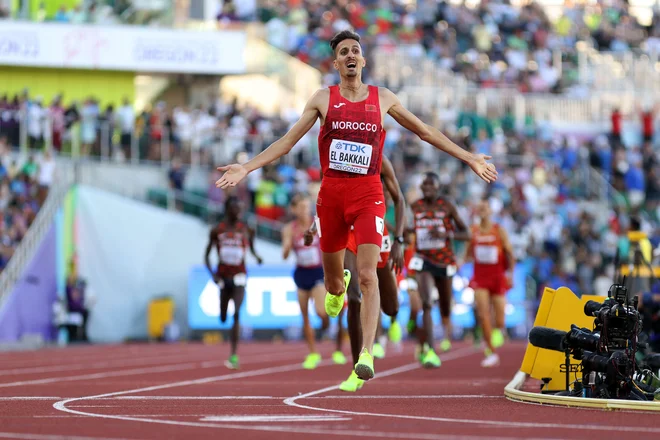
(649, 307)
(635, 250)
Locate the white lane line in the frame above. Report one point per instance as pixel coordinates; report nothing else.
(143, 370)
(21, 435)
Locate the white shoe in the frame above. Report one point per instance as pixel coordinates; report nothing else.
(491, 361)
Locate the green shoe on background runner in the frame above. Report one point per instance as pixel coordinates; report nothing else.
(232, 362)
(431, 359)
(445, 345)
(338, 358)
(497, 338)
(312, 361)
(394, 333)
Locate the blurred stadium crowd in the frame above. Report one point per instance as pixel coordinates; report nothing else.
(549, 182)
(542, 197)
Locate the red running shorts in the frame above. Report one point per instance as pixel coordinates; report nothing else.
(346, 202)
(385, 248)
(495, 284)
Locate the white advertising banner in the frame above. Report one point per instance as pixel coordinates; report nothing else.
(131, 48)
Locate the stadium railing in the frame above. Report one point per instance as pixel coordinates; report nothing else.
(41, 225)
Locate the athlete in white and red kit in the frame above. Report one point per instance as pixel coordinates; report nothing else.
(350, 148)
(308, 277)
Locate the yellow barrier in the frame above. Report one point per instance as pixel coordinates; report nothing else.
(558, 309)
(161, 313)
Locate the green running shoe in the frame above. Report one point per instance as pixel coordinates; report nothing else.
(232, 362)
(411, 326)
(365, 366)
(394, 333)
(312, 361)
(352, 384)
(338, 358)
(497, 338)
(334, 303)
(378, 351)
(431, 360)
(445, 345)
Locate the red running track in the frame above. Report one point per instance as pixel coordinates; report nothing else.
(183, 391)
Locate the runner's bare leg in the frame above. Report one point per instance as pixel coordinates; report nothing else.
(367, 261)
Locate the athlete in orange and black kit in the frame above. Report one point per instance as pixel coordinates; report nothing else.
(231, 238)
(436, 224)
(351, 143)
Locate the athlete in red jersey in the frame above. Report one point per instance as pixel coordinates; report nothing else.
(350, 145)
(435, 220)
(308, 276)
(493, 258)
(231, 238)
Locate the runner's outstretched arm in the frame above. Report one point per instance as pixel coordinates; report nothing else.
(236, 172)
(434, 137)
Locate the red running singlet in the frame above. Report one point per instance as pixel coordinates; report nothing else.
(306, 256)
(490, 264)
(233, 242)
(351, 151)
(351, 139)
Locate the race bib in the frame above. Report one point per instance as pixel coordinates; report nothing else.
(240, 279)
(352, 157)
(416, 264)
(387, 244)
(426, 241)
(232, 255)
(486, 254)
(308, 257)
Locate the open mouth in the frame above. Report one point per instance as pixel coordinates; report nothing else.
(351, 65)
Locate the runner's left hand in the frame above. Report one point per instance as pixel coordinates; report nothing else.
(396, 257)
(233, 174)
(482, 168)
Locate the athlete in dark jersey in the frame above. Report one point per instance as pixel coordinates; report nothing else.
(308, 277)
(231, 238)
(351, 145)
(436, 223)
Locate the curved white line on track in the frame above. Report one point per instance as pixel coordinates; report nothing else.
(291, 401)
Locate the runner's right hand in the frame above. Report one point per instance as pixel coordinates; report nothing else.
(308, 236)
(233, 175)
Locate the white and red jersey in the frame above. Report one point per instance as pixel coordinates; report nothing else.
(352, 137)
(306, 256)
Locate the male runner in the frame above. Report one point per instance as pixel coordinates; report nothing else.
(351, 149)
(435, 219)
(308, 276)
(389, 262)
(493, 258)
(231, 239)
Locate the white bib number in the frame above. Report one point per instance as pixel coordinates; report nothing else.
(240, 279)
(231, 255)
(486, 254)
(387, 244)
(416, 263)
(352, 157)
(308, 257)
(426, 241)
